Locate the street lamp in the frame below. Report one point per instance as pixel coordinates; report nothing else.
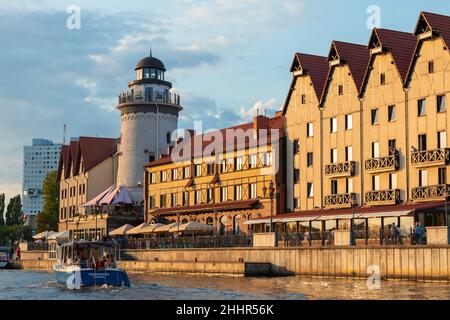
(272, 190)
(352, 234)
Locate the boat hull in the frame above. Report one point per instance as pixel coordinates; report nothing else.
(3, 264)
(91, 277)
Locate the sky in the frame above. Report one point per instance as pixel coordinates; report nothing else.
(228, 59)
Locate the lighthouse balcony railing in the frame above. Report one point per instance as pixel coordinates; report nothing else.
(169, 98)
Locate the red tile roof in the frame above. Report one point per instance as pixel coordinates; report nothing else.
(208, 138)
(92, 150)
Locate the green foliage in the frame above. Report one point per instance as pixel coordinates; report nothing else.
(2, 210)
(48, 218)
(14, 211)
(14, 233)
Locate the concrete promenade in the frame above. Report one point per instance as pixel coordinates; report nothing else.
(414, 263)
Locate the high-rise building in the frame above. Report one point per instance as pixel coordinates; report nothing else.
(38, 160)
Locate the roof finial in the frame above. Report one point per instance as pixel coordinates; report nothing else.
(150, 52)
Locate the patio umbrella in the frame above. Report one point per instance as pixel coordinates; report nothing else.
(138, 229)
(44, 235)
(151, 228)
(60, 235)
(123, 230)
(166, 228)
(191, 226)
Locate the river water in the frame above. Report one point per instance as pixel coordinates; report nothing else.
(17, 284)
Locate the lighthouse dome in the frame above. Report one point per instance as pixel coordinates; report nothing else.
(150, 62)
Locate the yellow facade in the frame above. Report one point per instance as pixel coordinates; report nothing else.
(391, 166)
(224, 192)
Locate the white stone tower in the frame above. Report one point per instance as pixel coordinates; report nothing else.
(149, 114)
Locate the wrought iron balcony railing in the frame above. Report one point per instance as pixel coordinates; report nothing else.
(157, 97)
(428, 193)
(344, 169)
(380, 197)
(343, 200)
(430, 157)
(389, 163)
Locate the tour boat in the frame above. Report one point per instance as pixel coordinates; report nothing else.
(4, 257)
(88, 263)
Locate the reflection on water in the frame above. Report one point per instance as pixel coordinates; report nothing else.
(41, 285)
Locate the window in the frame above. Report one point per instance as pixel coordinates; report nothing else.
(375, 149)
(174, 200)
(168, 137)
(239, 163)
(309, 159)
(442, 172)
(146, 73)
(153, 73)
(224, 194)
(423, 177)
(349, 153)
(334, 186)
(163, 176)
(185, 198)
(163, 200)
(374, 116)
(303, 99)
(442, 139)
(421, 107)
(309, 129)
(441, 103)
(187, 172)
(333, 125)
(223, 166)
(422, 142)
(210, 168)
(253, 191)
(296, 146)
(210, 195)
(333, 155)
(198, 170)
(310, 189)
(375, 183)
(152, 202)
(391, 113)
(174, 174)
(238, 193)
(296, 175)
(348, 185)
(431, 66)
(340, 89)
(392, 181)
(268, 159)
(348, 122)
(296, 203)
(392, 145)
(253, 161)
(382, 78)
(198, 196)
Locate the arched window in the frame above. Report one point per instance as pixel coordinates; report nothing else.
(223, 226)
(236, 225)
(209, 221)
(184, 221)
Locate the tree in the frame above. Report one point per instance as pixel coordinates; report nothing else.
(48, 218)
(2, 209)
(14, 211)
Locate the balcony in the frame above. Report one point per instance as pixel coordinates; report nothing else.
(428, 158)
(382, 197)
(137, 98)
(344, 200)
(344, 169)
(383, 164)
(429, 193)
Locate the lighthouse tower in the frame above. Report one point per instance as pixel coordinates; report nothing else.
(149, 112)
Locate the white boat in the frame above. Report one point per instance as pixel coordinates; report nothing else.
(86, 263)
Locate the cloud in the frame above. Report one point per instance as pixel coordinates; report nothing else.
(260, 107)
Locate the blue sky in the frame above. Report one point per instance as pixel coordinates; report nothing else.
(227, 58)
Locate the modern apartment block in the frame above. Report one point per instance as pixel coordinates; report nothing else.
(38, 160)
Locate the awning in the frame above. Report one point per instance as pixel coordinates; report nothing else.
(118, 195)
(262, 220)
(60, 235)
(151, 228)
(122, 230)
(166, 228)
(44, 235)
(97, 199)
(386, 214)
(138, 229)
(191, 226)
